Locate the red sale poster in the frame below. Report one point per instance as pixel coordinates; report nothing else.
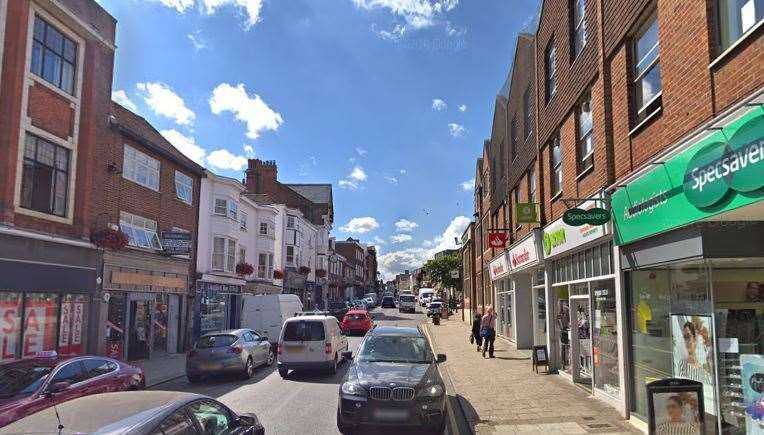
(10, 313)
(70, 332)
(39, 325)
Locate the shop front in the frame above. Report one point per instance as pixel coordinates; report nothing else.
(219, 303)
(580, 284)
(691, 236)
(46, 294)
(145, 299)
(503, 296)
(529, 296)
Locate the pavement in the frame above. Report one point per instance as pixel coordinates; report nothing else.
(504, 396)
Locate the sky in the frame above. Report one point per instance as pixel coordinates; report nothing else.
(388, 100)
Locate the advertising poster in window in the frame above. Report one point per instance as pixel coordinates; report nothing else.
(752, 374)
(70, 331)
(693, 353)
(10, 322)
(39, 324)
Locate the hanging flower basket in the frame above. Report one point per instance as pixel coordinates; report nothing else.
(110, 238)
(321, 273)
(244, 269)
(277, 274)
(304, 270)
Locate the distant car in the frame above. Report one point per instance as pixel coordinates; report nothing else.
(374, 298)
(356, 321)
(407, 302)
(434, 307)
(361, 304)
(369, 302)
(31, 385)
(393, 382)
(237, 351)
(311, 342)
(338, 309)
(388, 302)
(140, 413)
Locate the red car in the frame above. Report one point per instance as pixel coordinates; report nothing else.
(30, 385)
(357, 321)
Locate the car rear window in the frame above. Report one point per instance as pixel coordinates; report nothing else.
(304, 330)
(220, 340)
(407, 298)
(357, 316)
(388, 298)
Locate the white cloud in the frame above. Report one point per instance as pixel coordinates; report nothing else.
(403, 171)
(446, 240)
(251, 8)
(456, 130)
(347, 184)
(120, 97)
(252, 111)
(225, 160)
(394, 34)
(249, 151)
(360, 225)
(178, 5)
(405, 225)
(163, 101)
(417, 13)
(379, 240)
(400, 238)
(467, 185)
(196, 41)
(358, 174)
(438, 104)
(361, 152)
(463, 108)
(391, 179)
(186, 145)
(453, 31)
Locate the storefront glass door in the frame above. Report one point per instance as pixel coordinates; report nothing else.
(562, 323)
(160, 323)
(581, 340)
(140, 329)
(539, 316)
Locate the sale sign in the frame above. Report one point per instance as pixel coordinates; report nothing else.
(10, 322)
(70, 332)
(39, 326)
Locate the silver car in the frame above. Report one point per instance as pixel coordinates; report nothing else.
(236, 351)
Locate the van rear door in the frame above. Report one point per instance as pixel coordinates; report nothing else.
(303, 341)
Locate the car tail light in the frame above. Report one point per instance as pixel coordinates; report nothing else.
(327, 347)
(234, 349)
(192, 353)
(278, 349)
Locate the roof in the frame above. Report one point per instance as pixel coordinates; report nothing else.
(316, 193)
(128, 412)
(227, 332)
(397, 330)
(140, 130)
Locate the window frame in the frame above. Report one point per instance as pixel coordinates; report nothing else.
(260, 230)
(584, 161)
(60, 56)
(550, 70)
(243, 220)
(181, 184)
(262, 265)
(722, 49)
(130, 167)
(556, 167)
(576, 27)
(286, 255)
(233, 210)
(217, 211)
(36, 164)
(228, 253)
(648, 108)
(127, 221)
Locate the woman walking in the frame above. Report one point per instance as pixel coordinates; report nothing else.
(488, 330)
(476, 331)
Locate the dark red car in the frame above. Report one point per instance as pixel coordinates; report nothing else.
(356, 321)
(30, 385)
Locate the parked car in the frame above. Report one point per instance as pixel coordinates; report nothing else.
(236, 351)
(361, 304)
(388, 302)
(31, 385)
(374, 298)
(338, 309)
(140, 413)
(311, 342)
(407, 302)
(266, 314)
(434, 307)
(393, 381)
(356, 321)
(369, 302)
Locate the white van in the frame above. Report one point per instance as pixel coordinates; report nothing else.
(310, 342)
(373, 297)
(425, 294)
(266, 314)
(407, 302)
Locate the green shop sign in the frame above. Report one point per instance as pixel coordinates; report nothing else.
(553, 239)
(527, 213)
(576, 217)
(722, 172)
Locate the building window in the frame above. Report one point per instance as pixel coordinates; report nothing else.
(262, 265)
(290, 221)
(233, 210)
(515, 200)
(585, 133)
(54, 56)
(184, 187)
(556, 166)
(223, 254)
(270, 266)
(527, 119)
(264, 228)
(140, 168)
(141, 232)
(578, 26)
(242, 254)
(532, 183)
(221, 207)
(647, 71)
(736, 18)
(290, 255)
(550, 68)
(243, 220)
(513, 138)
(45, 177)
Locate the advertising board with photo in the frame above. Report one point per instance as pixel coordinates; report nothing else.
(752, 381)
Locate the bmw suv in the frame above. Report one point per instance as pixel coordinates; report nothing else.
(393, 382)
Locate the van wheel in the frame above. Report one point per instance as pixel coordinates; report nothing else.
(333, 367)
(283, 372)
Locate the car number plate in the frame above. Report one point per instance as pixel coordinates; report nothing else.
(212, 366)
(391, 414)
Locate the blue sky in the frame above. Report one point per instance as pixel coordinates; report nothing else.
(388, 100)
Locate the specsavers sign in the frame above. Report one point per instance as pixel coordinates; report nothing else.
(723, 172)
(559, 237)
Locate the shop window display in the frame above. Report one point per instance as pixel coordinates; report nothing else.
(605, 337)
(40, 321)
(115, 326)
(160, 322)
(10, 313)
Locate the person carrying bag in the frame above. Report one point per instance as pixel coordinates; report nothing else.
(475, 335)
(488, 330)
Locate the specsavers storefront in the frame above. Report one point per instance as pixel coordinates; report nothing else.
(691, 237)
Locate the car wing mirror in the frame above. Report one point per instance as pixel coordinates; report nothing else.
(247, 420)
(440, 358)
(347, 355)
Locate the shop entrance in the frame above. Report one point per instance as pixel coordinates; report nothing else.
(581, 340)
(139, 330)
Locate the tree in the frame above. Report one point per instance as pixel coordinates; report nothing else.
(439, 270)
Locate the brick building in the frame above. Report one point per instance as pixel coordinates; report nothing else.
(467, 252)
(355, 254)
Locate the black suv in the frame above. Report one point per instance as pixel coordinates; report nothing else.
(388, 302)
(393, 382)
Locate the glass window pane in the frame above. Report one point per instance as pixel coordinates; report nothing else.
(141, 239)
(605, 337)
(62, 159)
(37, 58)
(597, 267)
(40, 321)
(45, 152)
(51, 70)
(648, 86)
(647, 46)
(67, 77)
(70, 50)
(588, 263)
(39, 29)
(128, 230)
(59, 206)
(54, 39)
(10, 333)
(30, 146)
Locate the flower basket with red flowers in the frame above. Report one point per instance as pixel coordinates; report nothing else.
(277, 274)
(244, 269)
(321, 273)
(304, 270)
(110, 238)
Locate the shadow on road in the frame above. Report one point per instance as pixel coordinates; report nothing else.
(318, 377)
(467, 417)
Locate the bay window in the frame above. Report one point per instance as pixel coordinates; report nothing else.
(223, 254)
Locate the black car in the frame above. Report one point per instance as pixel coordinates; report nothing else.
(393, 382)
(338, 309)
(388, 302)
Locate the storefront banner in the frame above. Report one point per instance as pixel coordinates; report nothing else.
(524, 253)
(693, 353)
(720, 173)
(499, 267)
(39, 327)
(559, 237)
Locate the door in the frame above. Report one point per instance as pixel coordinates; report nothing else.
(173, 313)
(139, 330)
(581, 340)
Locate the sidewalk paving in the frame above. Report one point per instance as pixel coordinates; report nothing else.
(162, 369)
(504, 396)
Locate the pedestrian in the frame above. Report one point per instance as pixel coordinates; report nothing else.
(476, 331)
(488, 330)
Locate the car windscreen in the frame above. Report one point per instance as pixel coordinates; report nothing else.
(406, 298)
(219, 340)
(435, 306)
(391, 348)
(304, 330)
(21, 380)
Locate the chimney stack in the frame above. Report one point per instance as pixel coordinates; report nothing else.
(261, 176)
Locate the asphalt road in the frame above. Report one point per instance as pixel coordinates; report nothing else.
(299, 404)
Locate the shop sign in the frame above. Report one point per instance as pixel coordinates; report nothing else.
(720, 173)
(527, 213)
(524, 253)
(498, 267)
(559, 237)
(497, 239)
(176, 242)
(594, 216)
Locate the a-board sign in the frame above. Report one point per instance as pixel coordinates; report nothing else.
(540, 357)
(675, 405)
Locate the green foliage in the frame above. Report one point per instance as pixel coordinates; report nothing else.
(439, 270)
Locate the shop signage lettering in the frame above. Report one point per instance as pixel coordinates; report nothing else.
(176, 242)
(520, 258)
(720, 173)
(499, 266)
(553, 239)
(9, 329)
(560, 237)
(524, 252)
(498, 269)
(576, 217)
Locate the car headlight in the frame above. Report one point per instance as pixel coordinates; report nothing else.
(353, 389)
(434, 390)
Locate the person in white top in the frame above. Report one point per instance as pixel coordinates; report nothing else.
(676, 423)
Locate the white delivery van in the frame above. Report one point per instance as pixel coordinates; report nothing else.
(407, 302)
(266, 314)
(311, 342)
(425, 294)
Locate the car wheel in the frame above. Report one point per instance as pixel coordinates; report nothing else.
(271, 358)
(249, 369)
(342, 427)
(194, 379)
(283, 372)
(333, 368)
